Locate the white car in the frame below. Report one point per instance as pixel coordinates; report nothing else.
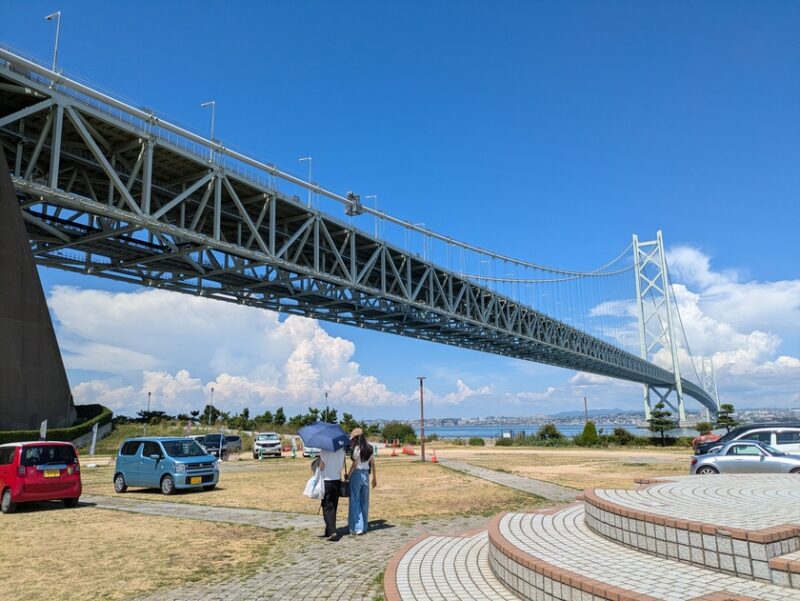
(267, 443)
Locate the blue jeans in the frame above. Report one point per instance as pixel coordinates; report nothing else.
(358, 514)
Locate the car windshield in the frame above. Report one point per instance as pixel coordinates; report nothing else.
(212, 439)
(773, 451)
(268, 437)
(183, 448)
(45, 454)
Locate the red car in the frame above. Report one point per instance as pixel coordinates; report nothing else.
(38, 471)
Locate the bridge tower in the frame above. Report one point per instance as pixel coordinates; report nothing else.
(709, 383)
(656, 324)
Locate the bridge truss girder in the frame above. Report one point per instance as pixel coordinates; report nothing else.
(107, 194)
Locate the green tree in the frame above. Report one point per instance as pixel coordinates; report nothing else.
(195, 414)
(267, 417)
(328, 415)
(280, 417)
(399, 431)
(725, 417)
(660, 420)
(589, 437)
(549, 432)
(349, 423)
(210, 410)
(704, 427)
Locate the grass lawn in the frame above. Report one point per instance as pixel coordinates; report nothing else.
(581, 468)
(407, 489)
(87, 553)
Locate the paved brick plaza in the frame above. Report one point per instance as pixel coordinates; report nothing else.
(713, 538)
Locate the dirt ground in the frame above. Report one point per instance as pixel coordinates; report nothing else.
(124, 555)
(113, 555)
(578, 468)
(407, 489)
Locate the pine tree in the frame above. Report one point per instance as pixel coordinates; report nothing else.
(660, 420)
(280, 417)
(725, 417)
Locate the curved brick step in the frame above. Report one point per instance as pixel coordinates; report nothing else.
(444, 568)
(742, 524)
(556, 555)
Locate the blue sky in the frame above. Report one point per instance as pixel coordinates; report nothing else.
(548, 131)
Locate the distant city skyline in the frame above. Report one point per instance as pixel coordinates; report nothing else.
(563, 132)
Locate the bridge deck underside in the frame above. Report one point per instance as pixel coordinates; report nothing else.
(112, 196)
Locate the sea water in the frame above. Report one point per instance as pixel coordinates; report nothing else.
(496, 430)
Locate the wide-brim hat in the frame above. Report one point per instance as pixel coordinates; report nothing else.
(356, 432)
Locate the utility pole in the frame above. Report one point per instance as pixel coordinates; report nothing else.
(586, 409)
(211, 407)
(327, 409)
(146, 415)
(421, 417)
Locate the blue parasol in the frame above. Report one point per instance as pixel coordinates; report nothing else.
(323, 435)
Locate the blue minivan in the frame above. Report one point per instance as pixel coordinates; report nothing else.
(165, 463)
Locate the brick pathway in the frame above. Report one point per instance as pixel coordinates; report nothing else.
(535, 487)
(250, 517)
(316, 569)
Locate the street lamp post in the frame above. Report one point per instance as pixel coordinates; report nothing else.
(146, 415)
(57, 16)
(211, 407)
(213, 105)
(421, 418)
(310, 160)
(327, 408)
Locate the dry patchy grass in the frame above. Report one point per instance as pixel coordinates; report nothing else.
(585, 468)
(407, 489)
(88, 553)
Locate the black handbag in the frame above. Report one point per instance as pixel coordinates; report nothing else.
(344, 483)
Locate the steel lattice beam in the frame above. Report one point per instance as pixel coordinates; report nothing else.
(109, 195)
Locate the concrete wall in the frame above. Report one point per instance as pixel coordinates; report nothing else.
(33, 381)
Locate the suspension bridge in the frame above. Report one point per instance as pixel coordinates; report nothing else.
(112, 190)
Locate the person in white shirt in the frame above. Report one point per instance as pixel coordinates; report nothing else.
(331, 464)
(363, 463)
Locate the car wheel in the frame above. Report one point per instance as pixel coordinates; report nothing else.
(70, 502)
(119, 483)
(707, 470)
(210, 487)
(167, 485)
(6, 506)
(795, 471)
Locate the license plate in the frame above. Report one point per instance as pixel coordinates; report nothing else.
(195, 480)
(52, 473)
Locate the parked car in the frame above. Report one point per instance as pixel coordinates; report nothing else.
(745, 457)
(215, 445)
(39, 471)
(234, 443)
(200, 439)
(267, 443)
(783, 436)
(167, 463)
(311, 451)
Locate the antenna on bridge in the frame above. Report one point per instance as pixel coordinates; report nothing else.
(656, 328)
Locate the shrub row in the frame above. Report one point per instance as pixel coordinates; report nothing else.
(88, 416)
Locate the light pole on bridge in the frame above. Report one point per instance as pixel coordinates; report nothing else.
(57, 16)
(213, 105)
(310, 160)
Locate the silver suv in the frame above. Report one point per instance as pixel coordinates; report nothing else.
(784, 437)
(267, 443)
